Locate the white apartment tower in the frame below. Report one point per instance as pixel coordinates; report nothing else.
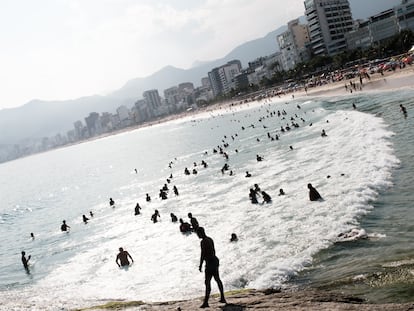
(329, 21)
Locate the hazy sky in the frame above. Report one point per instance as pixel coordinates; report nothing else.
(65, 49)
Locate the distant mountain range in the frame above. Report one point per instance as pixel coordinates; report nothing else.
(39, 118)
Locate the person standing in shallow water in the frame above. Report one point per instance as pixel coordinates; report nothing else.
(313, 193)
(25, 260)
(122, 257)
(208, 254)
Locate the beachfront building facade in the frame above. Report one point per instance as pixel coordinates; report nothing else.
(222, 78)
(292, 44)
(382, 26)
(153, 100)
(328, 22)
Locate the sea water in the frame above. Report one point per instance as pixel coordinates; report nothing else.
(363, 170)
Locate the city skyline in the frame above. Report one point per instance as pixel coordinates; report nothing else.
(68, 49)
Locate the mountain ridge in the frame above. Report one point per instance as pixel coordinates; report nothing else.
(39, 118)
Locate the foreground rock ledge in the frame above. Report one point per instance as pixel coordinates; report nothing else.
(308, 300)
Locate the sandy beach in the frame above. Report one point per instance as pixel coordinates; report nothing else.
(285, 299)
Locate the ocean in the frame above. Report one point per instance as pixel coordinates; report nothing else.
(362, 169)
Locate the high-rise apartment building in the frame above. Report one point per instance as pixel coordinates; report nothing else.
(221, 78)
(153, 98)
(292, 44)
(329, 21)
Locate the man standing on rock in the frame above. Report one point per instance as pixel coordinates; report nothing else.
(208, 254)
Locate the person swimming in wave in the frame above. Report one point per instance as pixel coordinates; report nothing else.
(248, 174)
(313, 193)
(193, 221)
(175, 189)
(155, 216)
(185, 227)
(85, 219)
(147, 197)
(122, 258)
(64, 227)
(323, 134)
(32, 235)
(281, 191)
(137, 209)
(90, 213)
(111, 202)
(266, 197)
(259, 158)
(25, 260)
(403, 110)
(234, 237)
(253, 196)
(173, 218)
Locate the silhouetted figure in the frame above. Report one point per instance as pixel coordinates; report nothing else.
(85, 219)
(173, 218)
(281, 192)
(257, 188)
(266, 197)
(163, 194)
(185, 227)
(111, 202)
(259, 158)
(234, 238)
(208, 255)
(25, 260)
(64, 226)
(253, 196)
(323, 134)
(186, 171)
(90, 213)
(137, 209)
(193, 221)
(403, 110)
(136, 171)
(32, 235)
(248, 174)
(175, 190)
(313, 193)
(147, 198)
(155, 216)
(122, 257)
(354, 106)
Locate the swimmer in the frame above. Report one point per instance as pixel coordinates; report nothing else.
(147, 198)
(111, 202)
(193, 221)
(185, 227)
(266, 197)
(259, 158)
(32, 235)
(403, 110)
(175, 190)
(64, 226)
(313, 193)
(25, 260)
(90, 213)
(137, 209)
(323, 134)
(248, 174)
(85, 219)
(122, 257)
(173, 218)
(281, 191)
(234, 238)
(155, 216)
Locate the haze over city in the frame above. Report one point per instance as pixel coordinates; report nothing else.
(65, 49)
